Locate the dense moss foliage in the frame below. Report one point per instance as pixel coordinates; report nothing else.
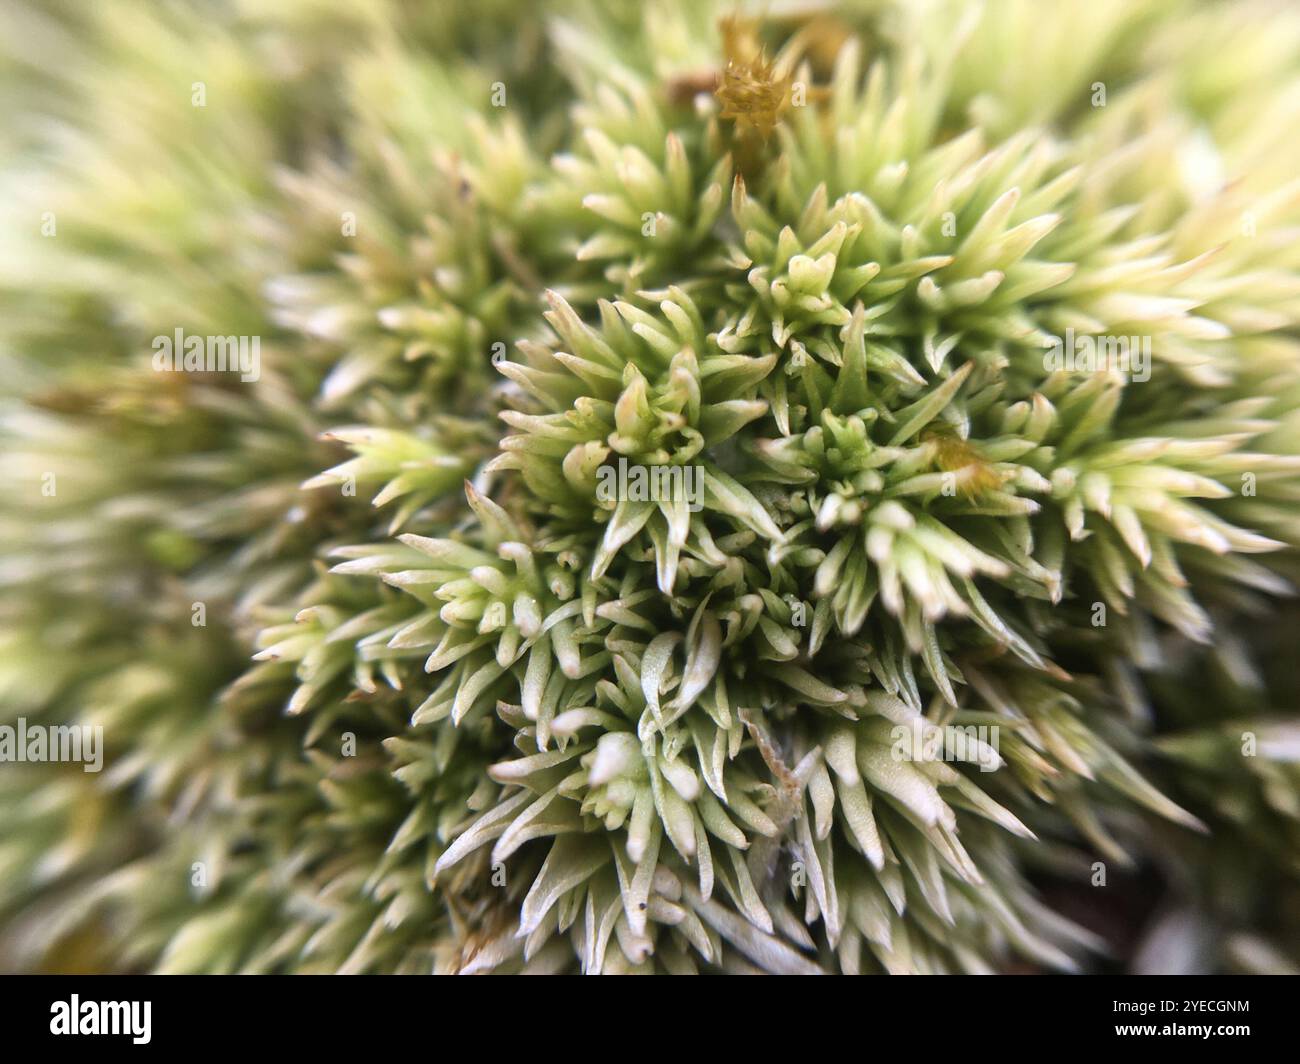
(394, 673)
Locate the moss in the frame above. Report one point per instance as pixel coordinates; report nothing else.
(390, 681)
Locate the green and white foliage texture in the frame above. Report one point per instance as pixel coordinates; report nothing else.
(449, 707)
